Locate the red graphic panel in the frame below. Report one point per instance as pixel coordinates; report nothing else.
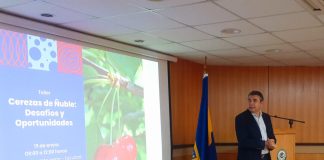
(13, 49)
(69, 58)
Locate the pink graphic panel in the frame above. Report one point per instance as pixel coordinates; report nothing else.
(13, 49)
(69, 58)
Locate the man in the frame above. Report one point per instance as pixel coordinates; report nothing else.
(254, 131)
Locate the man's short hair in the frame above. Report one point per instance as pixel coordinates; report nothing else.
(256, 93)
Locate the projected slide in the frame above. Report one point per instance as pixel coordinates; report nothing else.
(114, 106)
(61, 101)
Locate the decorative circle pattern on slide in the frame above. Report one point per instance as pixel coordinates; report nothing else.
(42, 53)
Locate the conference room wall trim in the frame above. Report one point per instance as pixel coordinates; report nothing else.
(230, 152)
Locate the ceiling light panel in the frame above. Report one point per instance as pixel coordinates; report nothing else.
(215, 29)
(172, 48)
(232, 53)
(158, 4)
(210, 45)
(260, 8)
(254, 40)
(263, 49)
(310, 45)
(182, 35)
(100, 27)
(147, 21)
(287, 21)
(148, 40)
(98, 8)
(198, 14)
(13, 2)
(36, 8)
(299, 35)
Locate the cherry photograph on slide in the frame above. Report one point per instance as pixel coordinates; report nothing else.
(114, 106)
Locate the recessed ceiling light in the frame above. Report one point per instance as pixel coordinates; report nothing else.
(48, 15)
(273, 50)
(139, 41)
(155, 0)
(231, 31)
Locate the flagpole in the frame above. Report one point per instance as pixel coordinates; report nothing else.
(204, 147)
(205, 65)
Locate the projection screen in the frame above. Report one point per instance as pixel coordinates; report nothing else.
(62, 99)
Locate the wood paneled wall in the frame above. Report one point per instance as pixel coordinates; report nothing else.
(185, 90)
(228, 90)
(296, 92)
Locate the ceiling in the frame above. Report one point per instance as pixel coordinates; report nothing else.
(266, 32)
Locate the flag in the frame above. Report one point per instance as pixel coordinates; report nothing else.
(204, 148)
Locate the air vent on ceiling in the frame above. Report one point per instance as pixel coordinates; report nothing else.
(316, 5)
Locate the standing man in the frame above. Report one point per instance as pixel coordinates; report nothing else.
(254, 131)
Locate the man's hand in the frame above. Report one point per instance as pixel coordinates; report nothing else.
(270, 144)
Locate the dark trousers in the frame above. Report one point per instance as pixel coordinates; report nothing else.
(265, 157)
